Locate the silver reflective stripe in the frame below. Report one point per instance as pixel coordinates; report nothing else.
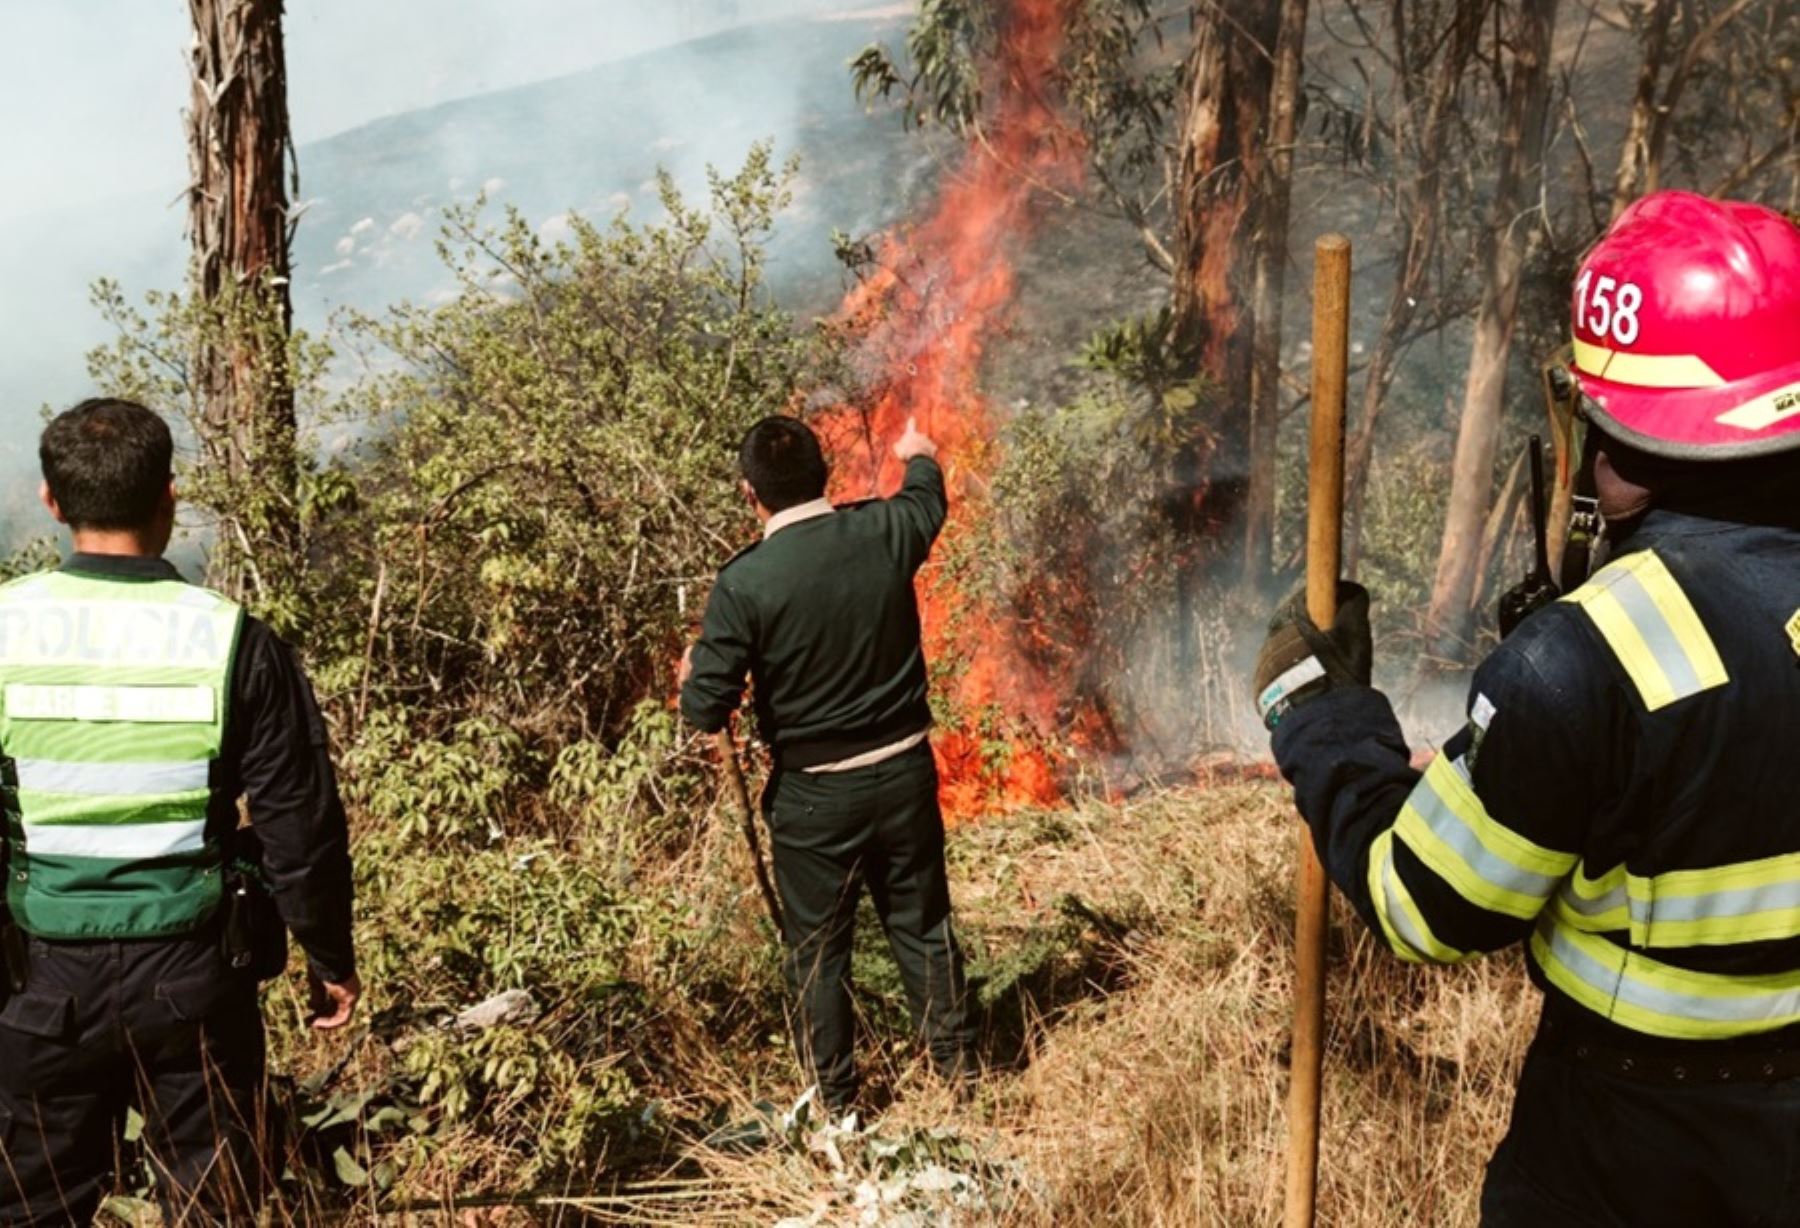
(1659, 636)
(1742, 902)
(1449, 827)
(118, 841)
(112, 779)
(1396, 911)
(143, 705)
(1772, 1007)
(1704, 906)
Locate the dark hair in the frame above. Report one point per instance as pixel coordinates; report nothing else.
(781, 459)
(108, 463)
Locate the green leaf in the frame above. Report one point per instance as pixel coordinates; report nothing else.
(347, 1169)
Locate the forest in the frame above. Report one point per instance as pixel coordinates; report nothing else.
(489, 522)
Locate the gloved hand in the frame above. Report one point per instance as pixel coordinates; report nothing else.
(1300, 662)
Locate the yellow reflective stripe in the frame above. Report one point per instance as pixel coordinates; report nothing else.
(1402, 924)
(1488, 864)
(141, 705)
(1653, 629)
(1597, 905)
(1645, 370)
(1750, 901)
(1381, 869)
(1658, 999)
(1760, 413)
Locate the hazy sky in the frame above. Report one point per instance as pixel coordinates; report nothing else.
(91, 90)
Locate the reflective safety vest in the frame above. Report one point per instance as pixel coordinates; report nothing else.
(113, 698)
(1678, 916)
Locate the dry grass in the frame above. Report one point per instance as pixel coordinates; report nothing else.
(1137, 965)
(1159, 1100)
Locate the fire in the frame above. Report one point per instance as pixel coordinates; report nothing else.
(940, 291)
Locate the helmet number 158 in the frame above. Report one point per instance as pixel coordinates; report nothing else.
(1613, 308)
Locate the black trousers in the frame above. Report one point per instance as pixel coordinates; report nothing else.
(835, 833)
(161, 1026)
(1591, 1147)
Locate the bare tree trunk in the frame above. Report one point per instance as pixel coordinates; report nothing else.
(1635, 155)
(239, 152)
(1449, 618)
(1425, 139)
(1698, 39)
(1647, 133)
(1221, 152)
(1269, 285)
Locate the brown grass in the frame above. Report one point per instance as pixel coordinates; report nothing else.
(1161, 1101)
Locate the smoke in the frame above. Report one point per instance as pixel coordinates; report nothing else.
(399, 110)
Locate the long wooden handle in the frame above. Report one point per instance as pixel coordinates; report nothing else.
(739, 796)
(1324, 555)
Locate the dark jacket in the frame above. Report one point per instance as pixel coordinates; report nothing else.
(1622, 797)
(822, 618)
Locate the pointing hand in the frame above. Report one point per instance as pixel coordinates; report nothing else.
(914, 442)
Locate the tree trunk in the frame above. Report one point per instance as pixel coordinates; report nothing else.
(1634, 157)
(1221, 156)
(1421, 209)
(239, 152)
(1449, 618)
(1268, 286)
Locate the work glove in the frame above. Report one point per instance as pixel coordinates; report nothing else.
(1300, 662)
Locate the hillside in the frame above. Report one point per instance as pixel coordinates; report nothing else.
(593, 143)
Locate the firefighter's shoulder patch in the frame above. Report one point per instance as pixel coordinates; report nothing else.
(1793, 630)
(1481, 715)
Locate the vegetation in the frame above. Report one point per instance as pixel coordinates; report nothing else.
(495, 526)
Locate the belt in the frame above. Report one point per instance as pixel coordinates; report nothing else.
(1695, 1065)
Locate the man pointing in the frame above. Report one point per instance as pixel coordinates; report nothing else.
(821, 618)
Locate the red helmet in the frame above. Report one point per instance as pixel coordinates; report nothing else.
(1687, 329)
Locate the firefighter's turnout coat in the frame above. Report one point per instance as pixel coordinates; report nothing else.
(1624, 799)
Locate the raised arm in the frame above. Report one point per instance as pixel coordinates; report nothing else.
(917, 510)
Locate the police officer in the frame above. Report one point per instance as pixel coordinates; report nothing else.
(1622, 797)
(822, 616)
(136, 710)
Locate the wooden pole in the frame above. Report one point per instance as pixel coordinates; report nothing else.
(1324, 554)
(738, 794)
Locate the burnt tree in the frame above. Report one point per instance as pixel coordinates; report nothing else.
(1221, 157)
(1269, 283)
(240, 152)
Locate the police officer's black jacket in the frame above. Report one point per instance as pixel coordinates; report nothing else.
(1625, 797)
(823, 617)
(277, 755)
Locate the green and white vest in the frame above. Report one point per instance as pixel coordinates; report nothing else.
(113, 698)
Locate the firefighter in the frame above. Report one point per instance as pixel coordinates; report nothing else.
(1621, 799)
(822, 617)
(135, 711)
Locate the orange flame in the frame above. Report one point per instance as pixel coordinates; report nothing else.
(941, 289)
